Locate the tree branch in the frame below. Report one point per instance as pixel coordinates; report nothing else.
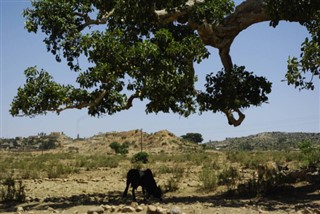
(231, 119)
(98, 100)
(83, 105)
(166, 17)
(88, 21)
(246, 14)
(130, 100)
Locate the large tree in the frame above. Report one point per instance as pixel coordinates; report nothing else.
(146, 50)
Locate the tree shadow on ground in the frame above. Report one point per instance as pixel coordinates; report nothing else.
(288, 198)
(111, 198)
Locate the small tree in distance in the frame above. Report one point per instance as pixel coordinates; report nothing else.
(119, 148)
(193, 137)
(140, 157)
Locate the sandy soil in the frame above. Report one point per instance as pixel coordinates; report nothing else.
(81, 192)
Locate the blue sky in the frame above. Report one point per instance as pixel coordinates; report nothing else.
(262, 49)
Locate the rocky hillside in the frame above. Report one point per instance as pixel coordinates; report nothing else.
(152, 143)
(266, 141)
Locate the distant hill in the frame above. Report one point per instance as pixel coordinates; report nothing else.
(161, 141)
(266, 141)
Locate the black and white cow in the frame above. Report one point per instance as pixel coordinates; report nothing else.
(143, 178)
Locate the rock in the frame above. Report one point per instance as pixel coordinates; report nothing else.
(134, 204)
(309, 211)
(161, 210)
(97, 210)
(316, 211)
(36, 199)
(151, 209)
(305, 211)
(20, 210)
(113, 208)
(128, 209)
(28, 199)
(175, 210)
(81, 181)
(106, 207)
(139, 208)
(192, 184)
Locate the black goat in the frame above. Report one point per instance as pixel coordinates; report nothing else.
(143, 178)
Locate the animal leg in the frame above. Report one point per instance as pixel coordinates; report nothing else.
(125, 193)
(133, 195)
(144, 194)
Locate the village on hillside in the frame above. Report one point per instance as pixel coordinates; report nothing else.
(41, 141)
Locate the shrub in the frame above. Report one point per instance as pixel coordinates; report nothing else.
(98, 160)
(163, 169)
(10, 192)
(46, 145)
(213, 165)
(172, 185)
(141, 157)
(310, 154)
(258, 187)
(58, 170)
(120, 148)
(249, 189)
(208, 178)
(229, 176)
(30, 174)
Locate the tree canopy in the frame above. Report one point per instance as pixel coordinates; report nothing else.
(193, 137)
(146, 50)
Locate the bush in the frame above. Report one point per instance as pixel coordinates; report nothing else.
(229, 176)
(98, 160)
(120, 148)
(46, 145)
(58, 170)
(209, 179)
(141, 157)
(172, 185)
(10, 192)
(310, 154)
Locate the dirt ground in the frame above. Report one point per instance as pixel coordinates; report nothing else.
(81, 192)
